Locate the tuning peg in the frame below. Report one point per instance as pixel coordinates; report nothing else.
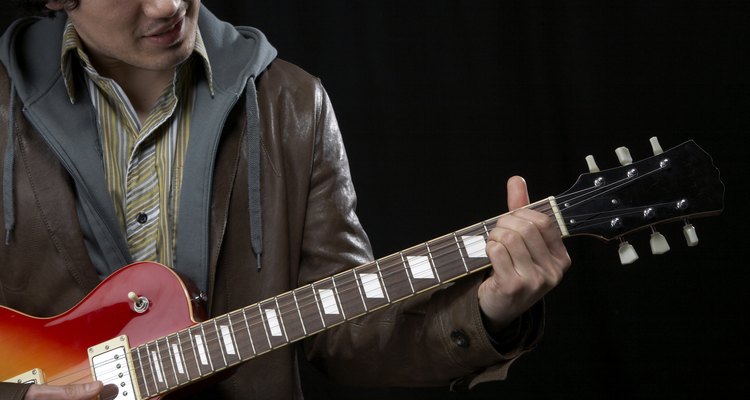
(627, 252)
(655, 146)
(623, 154)
(658, 242)
(592, 164)
(690, 236)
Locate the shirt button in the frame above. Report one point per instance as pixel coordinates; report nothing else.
(460, 339)
(142, 218)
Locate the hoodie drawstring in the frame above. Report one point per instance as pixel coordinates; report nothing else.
(8, 206)
(253, 169)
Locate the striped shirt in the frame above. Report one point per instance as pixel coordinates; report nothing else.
(126, 141)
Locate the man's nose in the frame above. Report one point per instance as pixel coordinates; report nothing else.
(161, 8)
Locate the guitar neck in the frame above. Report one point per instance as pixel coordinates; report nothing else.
(178, 359)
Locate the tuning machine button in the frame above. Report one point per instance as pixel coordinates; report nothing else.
(658, 242)
(623, 154)
(690, 236)
(592, 164)
(627, 253)
(655, 146)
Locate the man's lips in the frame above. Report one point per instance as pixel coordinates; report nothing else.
(167, 34)
(164, 28)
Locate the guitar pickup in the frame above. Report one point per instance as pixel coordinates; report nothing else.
(34, 376)
(112, 364)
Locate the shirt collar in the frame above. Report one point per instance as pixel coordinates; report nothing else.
(71, 45)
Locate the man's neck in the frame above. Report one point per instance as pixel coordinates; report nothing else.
(143, 87)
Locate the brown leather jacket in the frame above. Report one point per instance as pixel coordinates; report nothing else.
(311, 231)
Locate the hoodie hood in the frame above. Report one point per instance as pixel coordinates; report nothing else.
(30, 51)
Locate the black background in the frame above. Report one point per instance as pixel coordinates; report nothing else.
(441, 101)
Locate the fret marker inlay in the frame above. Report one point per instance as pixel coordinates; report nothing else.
(420, 267)
(201, 349)
(157, 366)
(475, 246)
(371, 284)
(226, 336)
(273, 322)
(328, 299)
(177, 359)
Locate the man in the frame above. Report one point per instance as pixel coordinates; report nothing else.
(150, 130)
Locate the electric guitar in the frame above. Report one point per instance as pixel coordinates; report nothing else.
(140, 331)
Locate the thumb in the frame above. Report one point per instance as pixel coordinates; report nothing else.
(80, 391)
(518, 195)
(86, 390)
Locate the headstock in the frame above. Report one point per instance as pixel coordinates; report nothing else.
(673, 185)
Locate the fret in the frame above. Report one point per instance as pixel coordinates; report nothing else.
(280, 316)
(349, 295)
(359, 289)
(213, 344)
(381, 281)
(165, 358)
(459, 252)
(396, 277)
(198, 340)
(310, 311)
(247, 330)
(267, 328)
(299, 312)
(178, 360)
(419, 267)
(175, 360)
(447, 258)
(189, 355)
(432, 262)
(273, 322)
(242, 340)
(157, 371)
(257, 329)
(408, 277)
(145, 382)
(226, 340)
(338, 298)
(472, 246)
(328, 302)
(291, 316)
(368, 277)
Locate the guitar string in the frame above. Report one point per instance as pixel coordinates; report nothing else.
(210, 342)
(399, 264)
(302, 302)
(297, 311)
(228, 316)
(397, 267)
(309, 301)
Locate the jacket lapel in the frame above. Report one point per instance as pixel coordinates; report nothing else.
(70, 130)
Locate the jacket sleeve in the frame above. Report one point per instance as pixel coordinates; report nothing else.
(12, 391)
(433, 339)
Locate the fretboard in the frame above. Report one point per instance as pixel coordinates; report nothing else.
(191, 354)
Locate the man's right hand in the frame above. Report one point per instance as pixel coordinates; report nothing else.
(82, 391)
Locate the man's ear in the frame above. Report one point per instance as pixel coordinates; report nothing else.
(55, 5)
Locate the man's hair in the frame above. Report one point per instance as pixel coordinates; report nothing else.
(37, 7)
